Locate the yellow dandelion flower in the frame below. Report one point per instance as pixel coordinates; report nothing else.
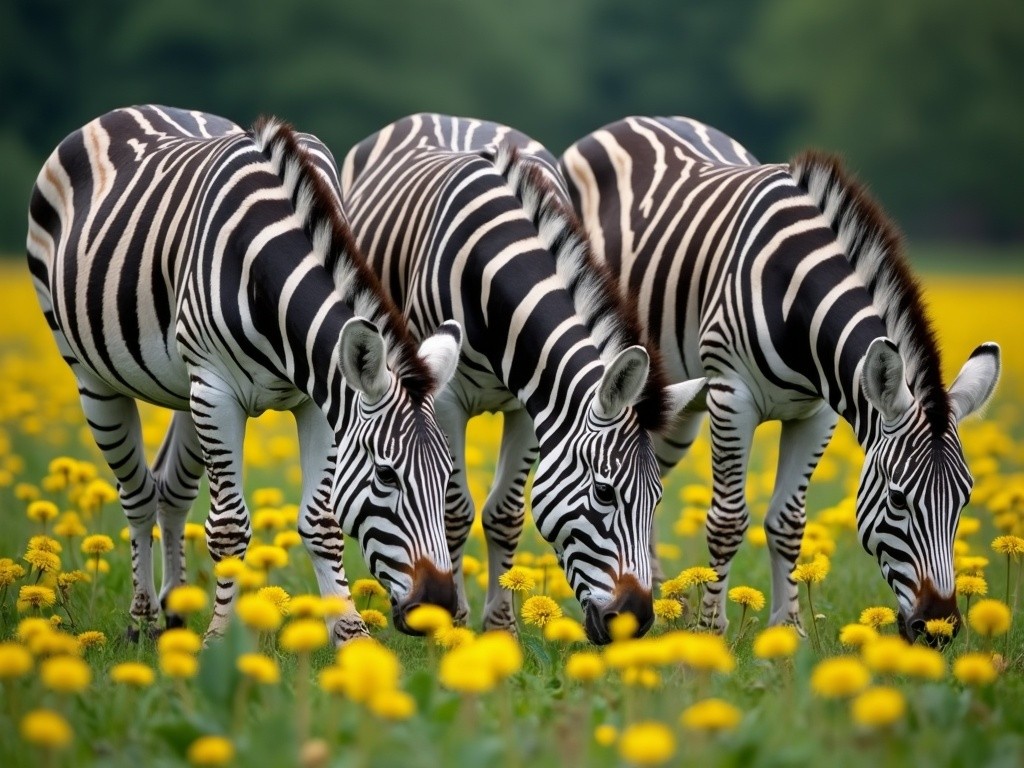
(757, 536)
(45, 728)
(470, 565)
(812, 572)
(539, 610)
(517, 579)
(704, 652)
(968, 526)
(971, 564)
(229, 568)
(186, 599)
(667, 610)
(989, 618)
(26, 492)
(258, 613)
(564, 630)
(10, 572)
(278, 596)
(584, 666)
(700, 574)
(334, 605)
(91, 639)
(923, 662)
(428, 618)
(30, 627)
(99, 492)
(134, 674)
(68, 579)
(373, 618)
(1008, 545)
(877, 616)
(839, 677)
(65, 674)
(673, 589)
(54, 643)
(332, 680)
(975, 669)
(878, 707)
(97, 566)
(194, 532)
(265, 557)
(258, 667)
(502, 652)
(287, 539)
(606, 734)
(453, 637)
(44, 562)
(967, 585)
(885, 655)
(306, 607)
(623, 627)
(303, 636)
(178, 665)
(461, 673)
(15, 661)
(44, 543)
(647, 743)
(939, 627)
(179, 640)
(267, 497)
(35, 596)
(711, 715)
(857, 635)
(776, 642)
(211, 750)
(392, 705)
(643, 677)
(97, 544)
(748, 597)
(42, 511)
(368, 589)
(367, 669)
(267, 519)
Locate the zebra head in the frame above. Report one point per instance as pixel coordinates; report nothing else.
(915, 482)
(392, 474)
(595, 492)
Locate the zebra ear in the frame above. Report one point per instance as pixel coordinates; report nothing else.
(363, 359)
(686, 394)
(976, 381)
(441, 353)
(883, 380)
(623, 381)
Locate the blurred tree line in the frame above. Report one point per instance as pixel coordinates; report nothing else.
(923, 97)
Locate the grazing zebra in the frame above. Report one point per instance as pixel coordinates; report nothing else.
(483, 239)
(786, 286)
(186, 263)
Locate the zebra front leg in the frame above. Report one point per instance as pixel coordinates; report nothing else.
(504, 511)
(220, 426)
(452, 418)
(114, 422)
(319, 528)
(669, 450)
(178, 469)
(733, 421)
(801, 446)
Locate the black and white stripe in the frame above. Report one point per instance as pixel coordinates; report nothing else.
(184, 262)
(460, 225)
(785, 285)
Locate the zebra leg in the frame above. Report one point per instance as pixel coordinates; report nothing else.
(178, 469)
(458, 512)
(504, 512)
(801, 446)
(220, 425)
(733, 421)
(319, 528)
(669, 450)
(114, 421)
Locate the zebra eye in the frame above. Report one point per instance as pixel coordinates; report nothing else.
(387, 476)
(897, 499)
(604, 494)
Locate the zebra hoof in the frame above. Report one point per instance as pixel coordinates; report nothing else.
(132, 634)
(348, 627)
(173, 621)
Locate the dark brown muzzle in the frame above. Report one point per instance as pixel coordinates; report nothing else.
(430, 586)
(629, 597)
(928, 606)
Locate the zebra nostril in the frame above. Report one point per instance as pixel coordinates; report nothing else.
(917, 627)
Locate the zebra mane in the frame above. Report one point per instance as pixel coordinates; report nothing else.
(612, 322)
(874, 247)
(318, 208)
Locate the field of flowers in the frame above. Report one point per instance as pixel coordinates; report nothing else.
(74, 691)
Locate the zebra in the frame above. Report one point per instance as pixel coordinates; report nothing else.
(480, 237)
(184, 262)
(786, 286)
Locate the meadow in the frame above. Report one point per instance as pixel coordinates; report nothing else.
(75, 691)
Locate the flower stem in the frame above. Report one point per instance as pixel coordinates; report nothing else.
(814, 622)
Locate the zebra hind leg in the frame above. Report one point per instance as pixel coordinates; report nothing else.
(801, 446)
(504, 512)
(178, 468)
(114, 421)
(733, 421)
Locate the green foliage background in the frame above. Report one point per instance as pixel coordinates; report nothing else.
(922, 96)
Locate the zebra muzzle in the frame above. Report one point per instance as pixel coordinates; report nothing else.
(430, 586)
(629, 597)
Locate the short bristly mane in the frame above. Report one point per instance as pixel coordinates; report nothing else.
(316, 206)
(612, 322)
(874, 247)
